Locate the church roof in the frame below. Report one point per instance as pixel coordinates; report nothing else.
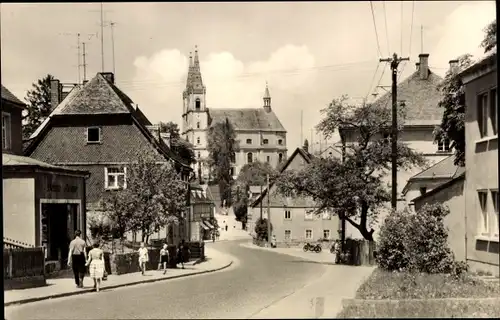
(421, 97)
(194, 83)
(248, 119)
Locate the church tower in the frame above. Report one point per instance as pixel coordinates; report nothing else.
(267, 100)
(195, 112)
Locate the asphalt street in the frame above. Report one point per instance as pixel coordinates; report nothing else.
(259, 280)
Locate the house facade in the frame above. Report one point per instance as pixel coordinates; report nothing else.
(481, 161)
(259, 132)
(293, 219)
(98, 128)
(419, 96)
(43, 204)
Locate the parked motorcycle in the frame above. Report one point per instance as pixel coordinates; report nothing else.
(311, 247)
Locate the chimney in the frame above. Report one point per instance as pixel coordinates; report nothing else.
(454, 66)
(424, 66)
(417, 65)
(84, 82)
(55, 93)
(109, 76)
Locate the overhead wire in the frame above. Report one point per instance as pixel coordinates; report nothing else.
(411, 35)
(375, 28)
(386, 29)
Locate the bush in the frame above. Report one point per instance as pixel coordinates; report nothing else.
(261, 229)
(417, 242)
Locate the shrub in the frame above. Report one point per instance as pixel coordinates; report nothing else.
(261, 229)
(417, 242)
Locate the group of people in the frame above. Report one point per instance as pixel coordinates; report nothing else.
(79, 260)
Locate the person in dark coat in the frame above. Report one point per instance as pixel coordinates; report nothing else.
(181, 253)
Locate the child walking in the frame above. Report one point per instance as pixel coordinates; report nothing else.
(96, 265)
(164, 257)
(143, 257)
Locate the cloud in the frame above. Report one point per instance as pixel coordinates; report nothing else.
(160, 79)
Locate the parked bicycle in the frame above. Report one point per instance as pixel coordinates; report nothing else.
(312, 247)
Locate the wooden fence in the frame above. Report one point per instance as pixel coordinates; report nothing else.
(23, 267)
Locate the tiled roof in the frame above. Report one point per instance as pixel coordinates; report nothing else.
(421, 99)
(248, 119)
(10, 160)
(9, 96)
(442, 169)
(98, 96)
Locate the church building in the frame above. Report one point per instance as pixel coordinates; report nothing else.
(259, 132)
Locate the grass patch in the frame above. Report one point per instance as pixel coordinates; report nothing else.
(401, 285)
(425, 309)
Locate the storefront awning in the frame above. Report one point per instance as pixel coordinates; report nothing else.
(208, 224)
(202, 224)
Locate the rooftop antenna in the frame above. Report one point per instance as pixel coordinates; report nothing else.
(102, 38)
(84, 63)
(301, 125)
(112, 26)
(421, 38)
(78, 48)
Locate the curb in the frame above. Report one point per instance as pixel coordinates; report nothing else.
(74, 293)
(244, 245)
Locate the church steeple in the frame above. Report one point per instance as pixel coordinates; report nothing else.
(267, 99)
(194, 82)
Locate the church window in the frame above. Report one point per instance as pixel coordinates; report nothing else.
(197, 125)
(249, 157)
(265, 141)
(249, 141)
(198, 140)
(197, 104)
(280, 157)
(280, 142)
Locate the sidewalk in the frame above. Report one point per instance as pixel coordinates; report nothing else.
(324, 257)
(57, 288)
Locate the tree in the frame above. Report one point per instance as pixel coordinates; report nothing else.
(490, 38)
(179, 146)
(222, 149)
(252, 174)
(261, 229)
(38, 106)
(353, 189)
(452, 125)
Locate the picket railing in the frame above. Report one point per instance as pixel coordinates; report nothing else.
(24, 262)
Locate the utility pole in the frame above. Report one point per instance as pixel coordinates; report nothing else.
(395, 60)
(84, 63)
(269, 231)
(112, 25)
(261, 200)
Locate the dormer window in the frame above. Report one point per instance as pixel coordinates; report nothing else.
(249, 141)
(280, 142)
(265, 141)
(444, 145)
(94, 135)
(197, 104)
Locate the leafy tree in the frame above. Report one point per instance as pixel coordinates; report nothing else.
(38, 106)
(452, 125)
(181, 147)
(222, 149)
(490, 38)
(261, 229)
(353, 189)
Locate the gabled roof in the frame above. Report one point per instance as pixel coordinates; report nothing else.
(9, 96)
(445, 185)
(251, 119)
(444, 169)
(421, 99)
(299, 151)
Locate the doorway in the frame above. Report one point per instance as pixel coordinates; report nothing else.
(59, 223)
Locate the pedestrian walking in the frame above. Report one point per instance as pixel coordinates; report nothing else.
(77, 257)
(143, 258)
(164, 257)
(213, 236)
(182, 251)
(96, 265)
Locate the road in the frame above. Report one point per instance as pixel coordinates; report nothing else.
(259, 280)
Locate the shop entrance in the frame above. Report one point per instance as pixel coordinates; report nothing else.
(59, 223)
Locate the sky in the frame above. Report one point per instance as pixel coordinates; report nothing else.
(308, 52)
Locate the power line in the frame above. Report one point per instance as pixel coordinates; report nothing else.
(386, 29)
(411, 36)
(375, 27)
(372, 81)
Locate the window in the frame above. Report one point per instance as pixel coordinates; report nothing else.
(198, 140)
(482, 195)
(197, 104)
(231, 171)
(326, 215)
(308, 214)
(199, 155)
(265, 141)
(280, 157)
(93, 135)
(482, 114)
(268, 159)
(249, 141)
(495, 200)
(493, 111)
(6, 131)
(423, 190)
(197, 125)
(309, 234)
(115, 177)
(280, 142)
(444, 145)
(326, 234)
(288, 215)
(249, 157)
(288, 235)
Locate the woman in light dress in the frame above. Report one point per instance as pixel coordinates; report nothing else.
(96, 265)
(143, 258)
